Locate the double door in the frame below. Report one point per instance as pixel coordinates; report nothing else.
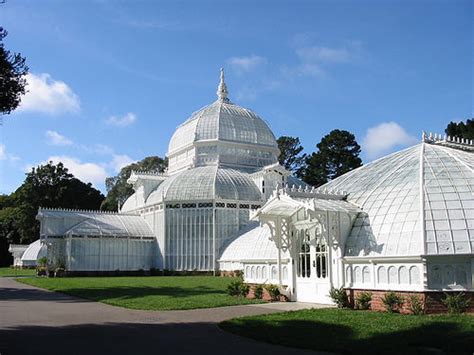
(311, 267)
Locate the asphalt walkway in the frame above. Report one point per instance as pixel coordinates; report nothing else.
(35, 321)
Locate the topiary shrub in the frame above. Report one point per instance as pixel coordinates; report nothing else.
(339, 297)
(363, 300)
(415, 304)
(392, 302)
(258, 292)
(273, 291)
(238, 288)
(456, 303)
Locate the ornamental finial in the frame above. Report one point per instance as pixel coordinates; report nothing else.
(222, 89)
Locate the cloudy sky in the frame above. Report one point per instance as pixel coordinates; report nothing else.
(110, 80)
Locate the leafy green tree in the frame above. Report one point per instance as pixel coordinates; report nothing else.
(45, 186)
(338, 152)
(291, 153)
(461, 129)
(118, 190)
(13, 72)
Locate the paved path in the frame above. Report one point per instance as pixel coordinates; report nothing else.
(34, 321)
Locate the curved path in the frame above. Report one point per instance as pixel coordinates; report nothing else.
(35, 321)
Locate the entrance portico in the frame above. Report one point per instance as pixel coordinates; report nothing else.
(312, 228)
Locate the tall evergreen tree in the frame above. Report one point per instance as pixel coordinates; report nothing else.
(291, 156)
(338, 152)
(118, 190)
(461, 129)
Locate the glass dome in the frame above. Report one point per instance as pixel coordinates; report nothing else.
(206, 183)
(222, 133)
(418, 201)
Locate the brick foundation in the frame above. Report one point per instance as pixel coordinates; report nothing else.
(265, 296)
(432, 301)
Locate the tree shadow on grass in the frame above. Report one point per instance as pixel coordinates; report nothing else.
(431, 338)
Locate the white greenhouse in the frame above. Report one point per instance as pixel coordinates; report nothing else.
(404, 222)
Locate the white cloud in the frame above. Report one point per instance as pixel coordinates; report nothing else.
(246, 63)
(381, 139)
(48, 96)
(57, 139)
(123, 121)
(4, 155)
(119, 161)
(87, 172)
(323, 54)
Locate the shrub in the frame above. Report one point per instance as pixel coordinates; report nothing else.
(258, 292)
(363, 300)
(238, 288)
(273, 291)
(339, 297)
(456, 303)
(43, 261)
(392, 301)
(415, 304)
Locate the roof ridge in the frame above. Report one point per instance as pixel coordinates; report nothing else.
(73, 210)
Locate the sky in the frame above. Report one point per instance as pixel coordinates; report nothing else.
(110, 81)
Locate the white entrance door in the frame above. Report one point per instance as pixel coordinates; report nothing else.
(312, 274)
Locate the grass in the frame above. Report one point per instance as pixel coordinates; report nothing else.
(10, 272)
(348, 331)
(147, 293)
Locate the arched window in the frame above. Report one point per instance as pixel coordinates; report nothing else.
(321, 259)
(392, 275)
(253, 273)
(304, 257)
(449, 275)
(259, 274)
(414, 275)
(403, 275)
(274, 273)
(382, 275)
(461, 275)
(348, 275)
(247, 272)
(264, 273)
(285, 273)
(366, 275)
(357, 275)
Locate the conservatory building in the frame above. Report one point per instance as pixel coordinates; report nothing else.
(404, 222)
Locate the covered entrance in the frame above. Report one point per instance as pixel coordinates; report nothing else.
(311, 226)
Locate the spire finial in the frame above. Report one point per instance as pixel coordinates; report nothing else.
(222, 89)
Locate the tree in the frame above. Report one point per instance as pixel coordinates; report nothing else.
(13, 72)
(461, 129)
(338, 153)
(45, 186)
(291, 156)
(118, 190)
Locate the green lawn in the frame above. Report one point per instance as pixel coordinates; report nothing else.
(8, 271)
(149, 293)
(348, 331)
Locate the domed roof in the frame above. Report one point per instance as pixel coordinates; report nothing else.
(222, 121)
(34, 251)
(251, 243)
(206, 183)
(243, 132)
(416, 201)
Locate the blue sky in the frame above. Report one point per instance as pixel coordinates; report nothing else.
(111, 80)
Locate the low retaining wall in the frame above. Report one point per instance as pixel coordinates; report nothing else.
(431, 300)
